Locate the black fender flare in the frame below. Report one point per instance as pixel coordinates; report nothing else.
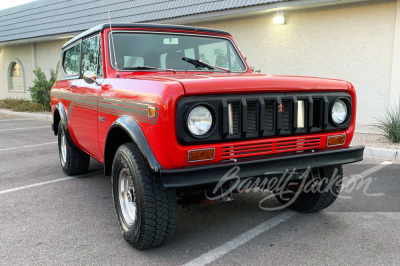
(64, 122)
(131, 127)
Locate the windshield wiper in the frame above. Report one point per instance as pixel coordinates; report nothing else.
(147, 68)
(197, 63)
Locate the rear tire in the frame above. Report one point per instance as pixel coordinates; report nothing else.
(146, 211)
(73, 160)
(313, 201)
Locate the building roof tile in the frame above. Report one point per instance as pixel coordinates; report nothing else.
(52, 17)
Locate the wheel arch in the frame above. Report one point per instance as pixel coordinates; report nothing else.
(56, 121)
(60, 116)
(126, 129)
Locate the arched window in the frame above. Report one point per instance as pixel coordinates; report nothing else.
(16, 81)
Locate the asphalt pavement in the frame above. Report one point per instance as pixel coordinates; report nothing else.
(48, 218)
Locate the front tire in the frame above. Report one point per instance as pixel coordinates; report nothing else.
(323, 188)
(146, 211)
(73, 160)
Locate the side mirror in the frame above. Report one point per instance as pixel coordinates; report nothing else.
(90, 77)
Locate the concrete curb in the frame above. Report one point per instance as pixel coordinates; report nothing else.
(384, 154)
(47, 117)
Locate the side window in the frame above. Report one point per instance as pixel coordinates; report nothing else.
(90, 54)
(71, 60)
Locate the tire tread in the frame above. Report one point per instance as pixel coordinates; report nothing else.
(314, 202)
(77, 161)
(159, 204)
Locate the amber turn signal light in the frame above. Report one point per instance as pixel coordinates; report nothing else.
(152, 112)
(201, 155)
(336, 140)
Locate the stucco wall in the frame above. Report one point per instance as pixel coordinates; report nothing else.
(353, 42)
(46, 56)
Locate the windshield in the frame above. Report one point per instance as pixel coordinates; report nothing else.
(140, 51)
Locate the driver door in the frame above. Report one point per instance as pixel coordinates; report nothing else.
(85, 111)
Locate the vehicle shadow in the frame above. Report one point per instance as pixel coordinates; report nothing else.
(199, 228)
(88, 226)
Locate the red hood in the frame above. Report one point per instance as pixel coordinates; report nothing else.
(196, 83)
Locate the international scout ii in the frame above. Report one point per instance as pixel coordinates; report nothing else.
(170, 110)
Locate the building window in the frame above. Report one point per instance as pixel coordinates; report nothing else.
(16, 82)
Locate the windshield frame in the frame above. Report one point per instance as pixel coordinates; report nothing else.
(109, 42)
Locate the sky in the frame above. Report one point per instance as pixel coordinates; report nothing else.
(8, 4)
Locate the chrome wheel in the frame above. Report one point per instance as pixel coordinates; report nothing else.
(63, 148)
(127, 199)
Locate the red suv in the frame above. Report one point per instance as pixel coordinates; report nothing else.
(171, 110)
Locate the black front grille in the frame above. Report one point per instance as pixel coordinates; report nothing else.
(252, 121)
(278, 116)
(269, 117)
(249, 116)
(286, 115)
(317, 110)
(235, 119)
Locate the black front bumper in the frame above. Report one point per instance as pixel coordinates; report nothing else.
(210, 174)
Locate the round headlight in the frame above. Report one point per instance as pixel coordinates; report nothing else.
(339, 112)
(199, 120)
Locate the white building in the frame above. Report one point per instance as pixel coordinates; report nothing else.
(358, 41)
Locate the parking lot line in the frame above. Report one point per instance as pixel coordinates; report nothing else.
(36, 185)
(11, 129)
(6, 120)
(47, 182)
(28, 146)
(220, 251)
(375, 168)
(355, 178)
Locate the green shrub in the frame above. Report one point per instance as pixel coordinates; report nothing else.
(258, 71)
(40, 91)
(389, 125)
(20, 105)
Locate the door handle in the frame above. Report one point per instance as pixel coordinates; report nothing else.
(72, 86)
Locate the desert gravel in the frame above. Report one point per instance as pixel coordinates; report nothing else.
(374, 141)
